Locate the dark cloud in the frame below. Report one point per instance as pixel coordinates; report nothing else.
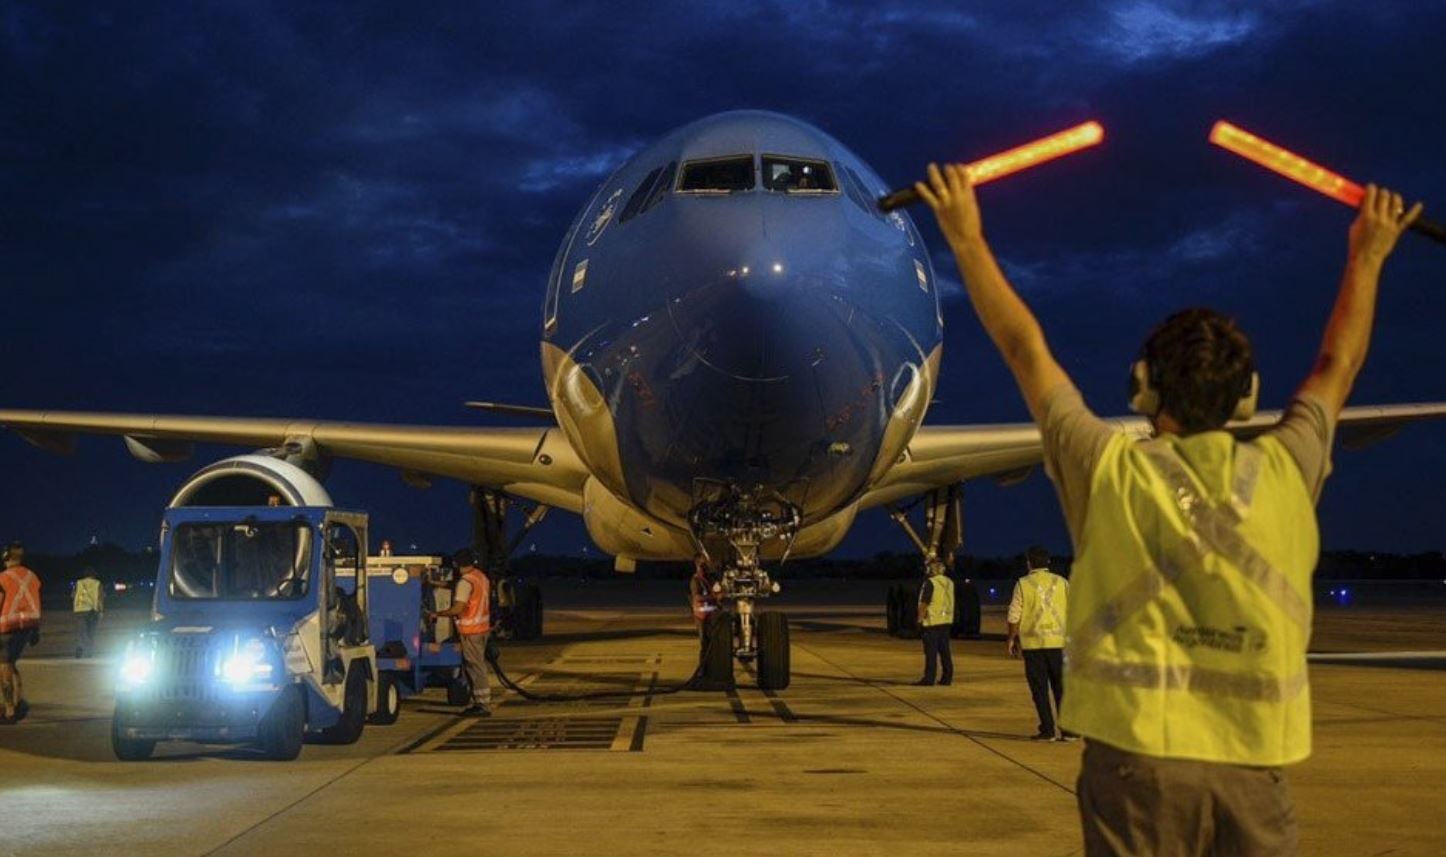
(348, 210)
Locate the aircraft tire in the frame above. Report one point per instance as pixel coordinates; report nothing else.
(968, 612)
(891, 611)
(716, 653)
(459, 690)
(774, 652)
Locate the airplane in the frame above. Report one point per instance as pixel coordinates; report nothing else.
(739, 347)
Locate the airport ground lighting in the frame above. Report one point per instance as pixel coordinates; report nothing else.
(1013, 160)
(1298, 169)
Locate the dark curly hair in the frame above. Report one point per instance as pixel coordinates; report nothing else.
(1200, 362)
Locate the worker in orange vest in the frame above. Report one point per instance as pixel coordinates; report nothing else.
(472, 608)
(19, 627)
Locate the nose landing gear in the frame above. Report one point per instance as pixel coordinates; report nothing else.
(744, 521)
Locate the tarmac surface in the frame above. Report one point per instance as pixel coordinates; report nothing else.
(850, 760)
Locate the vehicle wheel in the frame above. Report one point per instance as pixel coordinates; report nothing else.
(283, 727)
(716, 653)
(348, 727)
(129, 749)
(774, 654)
(389, 701)
(459, 690)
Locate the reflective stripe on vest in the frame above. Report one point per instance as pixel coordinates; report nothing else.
(1200, 653)
(21, 609)
(87, 595)
(939, 610)
(1042, 624)
(476, 619)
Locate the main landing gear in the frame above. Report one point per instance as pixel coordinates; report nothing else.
(518, 602)
(741, 522)
(943, 534)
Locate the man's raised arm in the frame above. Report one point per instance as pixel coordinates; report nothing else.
(1005, 316)
(1382, 219)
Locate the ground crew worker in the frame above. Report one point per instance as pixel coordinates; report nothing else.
(1036, 629)
(472, 606)
(1191, 602)
(19, 627)
(936, 618)
(701, 597)
(89, 605)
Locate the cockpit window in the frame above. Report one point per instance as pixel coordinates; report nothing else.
(796, 175)
(665, 184)
(635, 202)
(718, 175)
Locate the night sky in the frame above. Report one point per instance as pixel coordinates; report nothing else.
(348, 211)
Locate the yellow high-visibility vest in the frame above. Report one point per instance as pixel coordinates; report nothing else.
(87, 595)
(1190, 602)
(1045, 598)
(939, 609)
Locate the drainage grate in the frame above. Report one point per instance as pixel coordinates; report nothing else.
(561, 733)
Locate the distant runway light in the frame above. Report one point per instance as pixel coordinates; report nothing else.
(777, 267)
(1298, 169)
(1013, 160)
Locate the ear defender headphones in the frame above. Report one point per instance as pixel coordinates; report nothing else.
(1145, 399)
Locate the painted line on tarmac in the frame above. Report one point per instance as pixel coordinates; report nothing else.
(939, 720)
(634, 727)
(780, 708)
(735, 702)
(1367, 657)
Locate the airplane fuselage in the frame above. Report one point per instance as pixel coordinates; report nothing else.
(731, 311)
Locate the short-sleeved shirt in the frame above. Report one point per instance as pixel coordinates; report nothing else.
(1074, 438)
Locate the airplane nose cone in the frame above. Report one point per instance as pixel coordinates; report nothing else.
(760, 321)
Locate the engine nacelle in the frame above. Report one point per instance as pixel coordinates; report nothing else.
(251, 480)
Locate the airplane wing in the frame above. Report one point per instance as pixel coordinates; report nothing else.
(534, 463)
(944, 455)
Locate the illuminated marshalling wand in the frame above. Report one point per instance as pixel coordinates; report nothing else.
(1298, 169)
(1019, 158)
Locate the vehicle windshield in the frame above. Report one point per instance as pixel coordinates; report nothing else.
(793, 175)
(246, 561)
(718, 175)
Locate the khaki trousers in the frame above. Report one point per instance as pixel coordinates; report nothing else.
(1142, 805)
(474, 662)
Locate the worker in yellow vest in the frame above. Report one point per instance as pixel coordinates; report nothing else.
(936, 618)
(88, 606)
(1035, 623)
(1190, 606)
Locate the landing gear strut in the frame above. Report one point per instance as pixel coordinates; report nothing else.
(519, 602)
(942, 537)
(743, 521)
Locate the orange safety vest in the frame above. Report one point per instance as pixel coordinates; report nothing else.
(21, 608)
(703, 604)
(477, 618)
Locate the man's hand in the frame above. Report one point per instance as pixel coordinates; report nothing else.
(1014, 647)
(950, 194)
(1382, 219)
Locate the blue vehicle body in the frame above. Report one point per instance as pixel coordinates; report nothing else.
(181, 689)
(397, 630)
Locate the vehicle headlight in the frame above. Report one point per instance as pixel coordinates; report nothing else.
(247, 662)
(137, 666)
